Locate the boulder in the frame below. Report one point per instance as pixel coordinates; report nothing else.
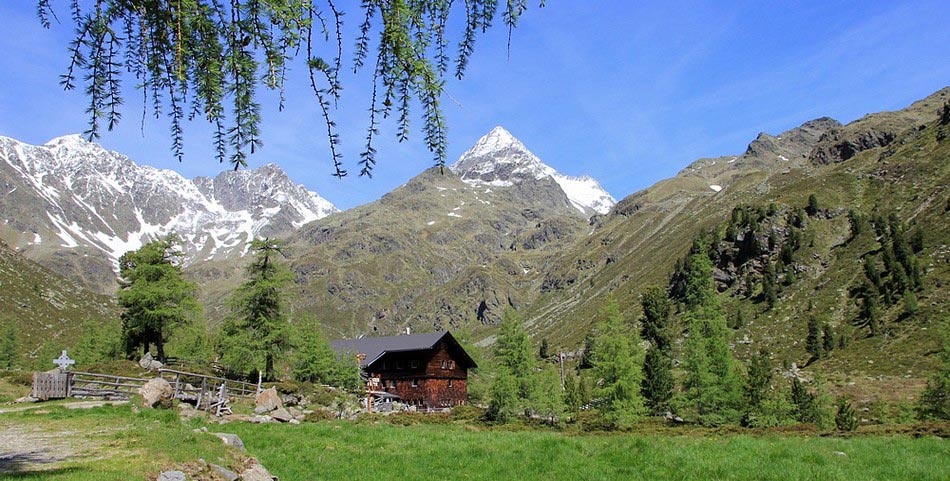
(172, 476)
(150, 363)
(281, 415)
(224, 473)
(267, 401)
(157, 393)
(231, 440)
(256, 472)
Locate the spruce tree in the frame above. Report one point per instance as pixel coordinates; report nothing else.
(806, 403)
(813, 207)
(655, 324)
(658, 382)
(827, 339)
(543, 350)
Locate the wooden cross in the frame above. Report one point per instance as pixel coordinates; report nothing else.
(63, 361)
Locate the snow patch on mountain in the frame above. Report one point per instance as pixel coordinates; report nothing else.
(498, 159)
(83, 195)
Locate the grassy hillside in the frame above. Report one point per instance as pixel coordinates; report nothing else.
(43, 308)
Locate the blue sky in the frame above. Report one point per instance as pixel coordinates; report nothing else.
(627, 92)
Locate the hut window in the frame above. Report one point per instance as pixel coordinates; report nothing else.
(415, 383)
(451, 364)
(398, 364)
(450, 383)
(413, 363)
(445, 364)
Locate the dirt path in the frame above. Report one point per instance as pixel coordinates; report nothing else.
(30, 447)
(71, 405)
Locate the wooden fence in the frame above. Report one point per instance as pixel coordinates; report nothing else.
(210, 393)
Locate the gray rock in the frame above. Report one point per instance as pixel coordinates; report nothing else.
(256, 472)
(282, 415)
(146, 360)
(231, 440)
(150, 363)
(157, 393)
(172, 476)
(267, 401)
(223, 472)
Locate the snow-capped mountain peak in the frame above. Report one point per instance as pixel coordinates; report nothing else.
(74, 193)
(499, 159)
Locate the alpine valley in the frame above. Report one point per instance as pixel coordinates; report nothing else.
(454, 249)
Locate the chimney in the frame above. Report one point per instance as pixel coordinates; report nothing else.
(408, 330)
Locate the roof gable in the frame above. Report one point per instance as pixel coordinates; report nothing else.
(375, 347)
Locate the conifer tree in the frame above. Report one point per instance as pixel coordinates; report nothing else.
(618, 361)
(759, 379)
(572, 395)
(314, 360)
(9, 348)
(845, 417)
(655, 326)
(934, 402)
(828, 339)
(712, 383)
(813, 207)
(543, 350)
(155, 297)
(209, 59)
(806, 403)
(658, 381)
(257, 333)
(514, 387)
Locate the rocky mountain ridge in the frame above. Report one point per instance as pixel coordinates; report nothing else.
(76, 207)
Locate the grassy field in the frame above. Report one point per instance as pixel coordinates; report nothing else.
(333, 450)
(119, 443)
(110, 443)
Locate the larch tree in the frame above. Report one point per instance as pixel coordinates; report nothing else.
(257, 332)
(209, 58)
(712, 382)
(618, 361)
(515, 383)
(154, 295)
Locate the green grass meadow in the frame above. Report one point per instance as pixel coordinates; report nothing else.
(334, 450)
(119, 443)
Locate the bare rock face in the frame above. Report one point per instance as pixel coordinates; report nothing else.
(267, 401)
(157, 393)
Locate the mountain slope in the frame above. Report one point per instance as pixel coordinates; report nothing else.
(76, 207)
(43, 307)
(639, 243)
